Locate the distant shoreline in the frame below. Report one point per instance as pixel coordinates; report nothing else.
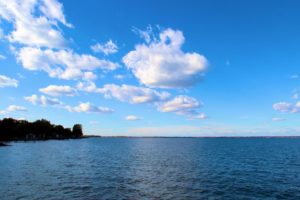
(98, 136)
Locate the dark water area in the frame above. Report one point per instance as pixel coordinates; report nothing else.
(152, 168)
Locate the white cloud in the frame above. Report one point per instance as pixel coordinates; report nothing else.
(64, 64)
(58, 90)
(146, 35)
(162, 63)
(35, 27)
(81, 108)
(7, 82)
(38, 33)
(286, 107)
(13, 108)
(89, 108)
(108, 48)
(199, 116)
(42, 100)
(133, 94)
(283, 107)
(87, 86)
(278, 119)
(54, 11)
(89, 76)
(132, 118)
(35, 22)
(180, 105)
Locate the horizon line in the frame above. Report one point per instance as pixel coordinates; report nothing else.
(100, 136)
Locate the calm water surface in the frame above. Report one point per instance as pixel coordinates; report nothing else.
(152, 168)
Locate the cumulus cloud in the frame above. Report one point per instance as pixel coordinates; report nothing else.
(87, 86)
(42, 100)
(162, 63)
(36, 27)
(64, 64)
(89, 108)
(108, 48)
(132, 94)
(132, 118)
(179, 104)
(35, 22)
(58, 90)
(86, 107)
(89, 76)
(182, 105)
(286, 107)
(53, 10)
(13, 108)
(7, 82)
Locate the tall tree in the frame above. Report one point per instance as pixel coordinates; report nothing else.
(77, 130)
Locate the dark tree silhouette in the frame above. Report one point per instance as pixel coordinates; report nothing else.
(11, 129)
(77, 130)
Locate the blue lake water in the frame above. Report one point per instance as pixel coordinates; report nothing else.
(152, 168)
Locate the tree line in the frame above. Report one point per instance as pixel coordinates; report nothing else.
(12, 129)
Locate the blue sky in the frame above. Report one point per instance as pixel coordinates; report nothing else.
(153, 68)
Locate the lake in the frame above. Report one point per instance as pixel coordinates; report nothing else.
(152, 168)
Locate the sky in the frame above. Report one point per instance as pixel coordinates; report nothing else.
(153, 68)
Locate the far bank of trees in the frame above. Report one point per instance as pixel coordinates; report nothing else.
(12, 129)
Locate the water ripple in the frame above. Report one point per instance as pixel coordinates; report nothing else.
(148, 168)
